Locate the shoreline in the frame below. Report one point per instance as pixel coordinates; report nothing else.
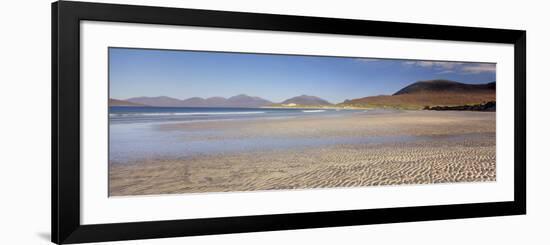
(317, 107)
(335, 107)
(450, 147)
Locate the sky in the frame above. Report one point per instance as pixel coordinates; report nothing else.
(185, 74)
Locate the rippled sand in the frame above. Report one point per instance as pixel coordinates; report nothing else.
(447, 147)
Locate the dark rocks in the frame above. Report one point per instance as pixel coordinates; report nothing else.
(489, 106)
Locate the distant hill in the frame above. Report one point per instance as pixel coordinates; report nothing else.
(430, 93)
(307, 101)
(193, 102)
(115, 102)
(215, 101)
(156, 101)
(446, 86)
(241, 100)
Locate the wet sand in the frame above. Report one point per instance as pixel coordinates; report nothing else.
(420, 147)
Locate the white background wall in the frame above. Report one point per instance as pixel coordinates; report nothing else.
(25, 124)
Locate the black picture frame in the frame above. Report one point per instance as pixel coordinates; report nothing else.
(66, 226)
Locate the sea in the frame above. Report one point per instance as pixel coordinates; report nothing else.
(136, 133)
(134, 114)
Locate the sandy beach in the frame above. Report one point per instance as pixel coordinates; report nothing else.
(349, 150)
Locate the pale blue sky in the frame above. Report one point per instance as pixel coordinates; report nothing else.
(184, 74)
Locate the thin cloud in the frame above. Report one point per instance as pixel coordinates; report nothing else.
(446, 72)
(479, 68)
(445, 67)
(435, 64)
(366, 59)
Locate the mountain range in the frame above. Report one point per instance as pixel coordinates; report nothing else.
(241, 100)
(414, 96)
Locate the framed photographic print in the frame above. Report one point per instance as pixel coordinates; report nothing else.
(176, 122)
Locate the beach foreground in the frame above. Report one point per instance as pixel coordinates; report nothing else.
(405, 147)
